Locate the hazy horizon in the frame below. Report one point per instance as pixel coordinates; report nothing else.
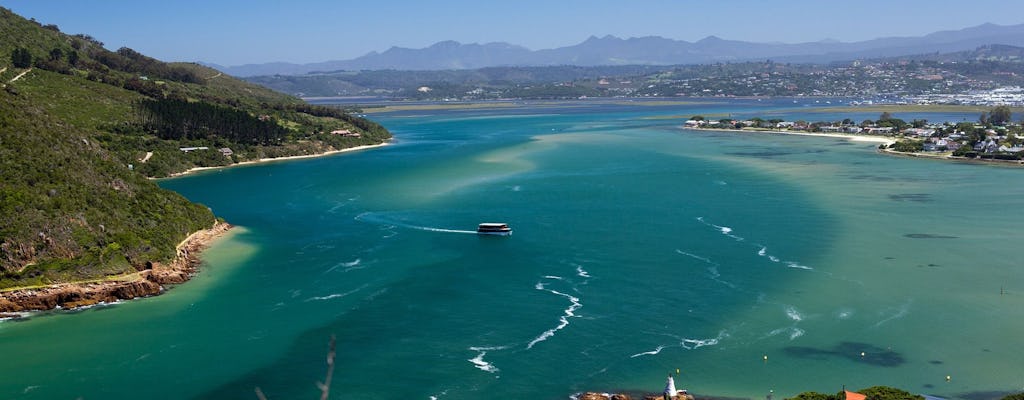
(232, 33)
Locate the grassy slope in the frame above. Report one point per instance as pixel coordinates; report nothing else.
(70, 207)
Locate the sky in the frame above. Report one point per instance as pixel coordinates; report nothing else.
(236, 32)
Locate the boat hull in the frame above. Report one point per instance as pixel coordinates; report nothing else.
(505, 233)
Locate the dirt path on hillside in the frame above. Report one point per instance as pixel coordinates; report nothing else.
(19, 75)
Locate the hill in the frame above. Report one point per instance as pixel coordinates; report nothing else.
(984, 68)
(82, 128)
(649, 50)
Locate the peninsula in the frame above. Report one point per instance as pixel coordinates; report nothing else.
(82, 128)
(994, 137)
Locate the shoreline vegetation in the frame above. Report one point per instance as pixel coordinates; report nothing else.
(994, 138)
(884, 142)
(16, 302)
(275, 159)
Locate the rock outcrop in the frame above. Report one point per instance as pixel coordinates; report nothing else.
(148, 282)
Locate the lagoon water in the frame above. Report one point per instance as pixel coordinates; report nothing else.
(749, 262)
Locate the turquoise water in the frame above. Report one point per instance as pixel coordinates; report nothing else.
(639, 248)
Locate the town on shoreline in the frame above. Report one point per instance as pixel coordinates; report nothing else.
(994, 137)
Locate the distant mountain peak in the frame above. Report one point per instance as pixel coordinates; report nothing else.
(445, 44)
(656, 50)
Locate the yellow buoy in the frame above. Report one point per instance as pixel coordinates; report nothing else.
(766, 357)
(948, 378)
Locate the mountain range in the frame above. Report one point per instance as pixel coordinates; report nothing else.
(649, 50)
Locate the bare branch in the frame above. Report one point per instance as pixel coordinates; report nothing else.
(325, 388)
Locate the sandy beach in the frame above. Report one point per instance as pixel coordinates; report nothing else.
(854, 138)
(263, 160)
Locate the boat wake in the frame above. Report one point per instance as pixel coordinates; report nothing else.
(376, 218)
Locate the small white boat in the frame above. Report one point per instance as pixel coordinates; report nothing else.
(494, 228)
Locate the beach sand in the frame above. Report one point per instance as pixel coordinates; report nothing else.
(263, 160)
(855, 138)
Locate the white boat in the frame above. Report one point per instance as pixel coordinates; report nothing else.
(494, 228)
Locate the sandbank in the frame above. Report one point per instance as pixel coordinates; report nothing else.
(853, 138)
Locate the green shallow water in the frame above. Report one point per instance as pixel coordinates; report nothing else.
(638, 248)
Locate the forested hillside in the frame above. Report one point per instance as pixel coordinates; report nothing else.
(82, 127)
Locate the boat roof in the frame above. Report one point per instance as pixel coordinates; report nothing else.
(493, 224)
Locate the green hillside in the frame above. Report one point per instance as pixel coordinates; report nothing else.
(82, 128)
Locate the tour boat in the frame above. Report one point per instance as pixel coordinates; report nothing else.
(494, 228)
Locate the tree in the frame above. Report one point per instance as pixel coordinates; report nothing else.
(983, 119)
(72, 58)
(919, 123)
(885, 116)
(1000, 115)
(888, 393)
(697, 117)
(21, 58)
(56, 54)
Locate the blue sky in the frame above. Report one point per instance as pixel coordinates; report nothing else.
(233, 32)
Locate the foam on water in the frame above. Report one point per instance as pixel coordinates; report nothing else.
(694, 256)
(582, 272)
(793, 314)
(479, 362)
(336, 295)
(563, 320)
(725, 230)
(793, 331)
(792, 264)
(693, 344)
(901, 312)
(712, 268)
(649, 353)
(348, 265)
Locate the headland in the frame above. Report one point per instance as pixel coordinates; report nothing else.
(147, 282)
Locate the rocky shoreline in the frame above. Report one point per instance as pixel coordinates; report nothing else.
(148, 282)
(622, 396)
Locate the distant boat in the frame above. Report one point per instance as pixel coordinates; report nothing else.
(494, 228)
